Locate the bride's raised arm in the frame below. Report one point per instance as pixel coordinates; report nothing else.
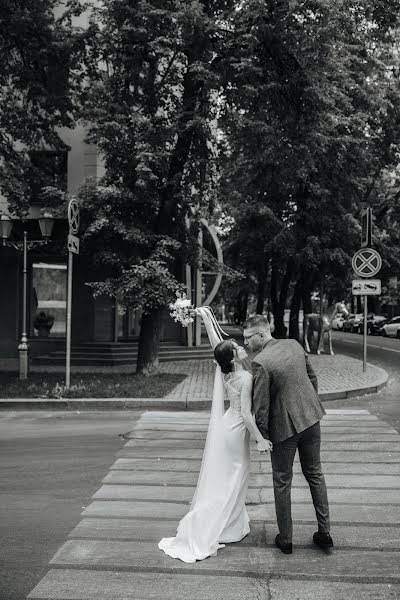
(213, 328)
(183, 312)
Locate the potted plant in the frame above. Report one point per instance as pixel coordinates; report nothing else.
(43, 323)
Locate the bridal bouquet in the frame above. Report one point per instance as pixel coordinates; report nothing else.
(183, 311)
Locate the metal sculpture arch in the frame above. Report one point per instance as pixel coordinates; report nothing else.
(195, 291)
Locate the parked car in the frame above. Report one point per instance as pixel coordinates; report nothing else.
(348, 322)
(392, 328)
(337, 322)
(374, 324)
(352, 322)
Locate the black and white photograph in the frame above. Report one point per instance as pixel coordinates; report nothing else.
(200, 300)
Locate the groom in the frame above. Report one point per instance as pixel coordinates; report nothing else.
(288, 411)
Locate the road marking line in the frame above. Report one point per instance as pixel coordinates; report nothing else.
(383, 348)
(371, 346)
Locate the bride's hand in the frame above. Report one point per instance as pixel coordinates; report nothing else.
(264, 446)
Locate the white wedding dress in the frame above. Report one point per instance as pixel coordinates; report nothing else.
(218, 513)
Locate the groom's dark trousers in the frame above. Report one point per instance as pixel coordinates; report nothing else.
(288, 412)
(308, 444)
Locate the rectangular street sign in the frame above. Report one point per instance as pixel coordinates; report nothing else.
(73, 244)
(366, 228)
(366, 287)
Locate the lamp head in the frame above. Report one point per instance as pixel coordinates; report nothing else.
(46, 223)
(5, 227)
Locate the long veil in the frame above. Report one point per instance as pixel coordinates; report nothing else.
(210, 470)
(199, 531)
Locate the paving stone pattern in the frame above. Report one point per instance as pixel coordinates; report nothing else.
(336, 375)
(112, 552)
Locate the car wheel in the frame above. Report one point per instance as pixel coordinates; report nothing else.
(398, 334)
(384, 333)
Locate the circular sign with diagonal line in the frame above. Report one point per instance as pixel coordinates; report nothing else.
(366, 262)
(73, 216)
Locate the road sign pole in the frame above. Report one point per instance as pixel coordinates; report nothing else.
(365, 334)
(73, 247)
(69, 312)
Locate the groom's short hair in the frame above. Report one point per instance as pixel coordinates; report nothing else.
(257, 321)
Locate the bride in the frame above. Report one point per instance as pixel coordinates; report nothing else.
(218, 513)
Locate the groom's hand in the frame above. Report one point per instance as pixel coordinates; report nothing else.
(264, 446)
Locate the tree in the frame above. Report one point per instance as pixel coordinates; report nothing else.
(307, 95)
(150, 102)
(40, 52)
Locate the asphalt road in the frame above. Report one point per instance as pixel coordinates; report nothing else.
(384, 353)
(51, 464)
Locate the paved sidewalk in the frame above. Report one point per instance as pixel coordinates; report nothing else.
(339, 377)
(112, 553)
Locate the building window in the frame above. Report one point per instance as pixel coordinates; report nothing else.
(49, 300)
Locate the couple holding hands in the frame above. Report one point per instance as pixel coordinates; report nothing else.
(277, 403)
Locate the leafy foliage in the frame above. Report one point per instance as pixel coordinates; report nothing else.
(282, 118)
(150, 105)
(89, 385)
(40, 59)
(312, 99)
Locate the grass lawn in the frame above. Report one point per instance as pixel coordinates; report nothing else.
(89, 385)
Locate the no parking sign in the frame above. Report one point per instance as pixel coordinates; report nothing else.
(367, 262)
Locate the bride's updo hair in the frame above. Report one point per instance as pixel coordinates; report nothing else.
(224, 355)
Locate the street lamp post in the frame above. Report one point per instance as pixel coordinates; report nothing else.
(46, 223)
(23, 347)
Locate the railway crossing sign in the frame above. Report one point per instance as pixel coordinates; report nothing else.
(73, 217)
(366, 287)
(367, 262)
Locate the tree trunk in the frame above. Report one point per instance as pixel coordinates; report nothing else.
(149, 342)
(306, 299)
(279, 301)
(294, 332)
(242, 304)
(261, 292)
(193, 88)
(238, 309)
(279, 326)
(307, 305)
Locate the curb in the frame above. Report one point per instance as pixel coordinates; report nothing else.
(170, 402)
(150, 403)
(381, 380)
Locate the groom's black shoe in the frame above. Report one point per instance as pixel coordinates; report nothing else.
(323, 540)
(285, 548)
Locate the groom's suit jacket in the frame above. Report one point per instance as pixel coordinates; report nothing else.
(285, 390)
